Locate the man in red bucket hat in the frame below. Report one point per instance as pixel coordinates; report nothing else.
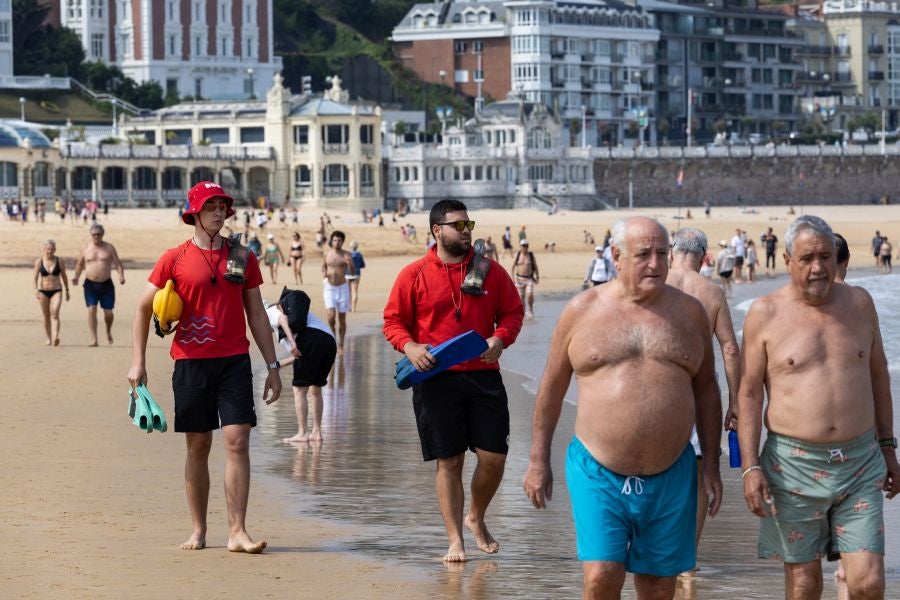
(213, 380)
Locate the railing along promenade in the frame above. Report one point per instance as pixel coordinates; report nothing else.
(783, 151)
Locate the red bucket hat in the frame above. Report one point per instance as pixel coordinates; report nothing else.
(198, 196)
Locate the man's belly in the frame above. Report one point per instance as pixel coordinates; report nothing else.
(636, 426)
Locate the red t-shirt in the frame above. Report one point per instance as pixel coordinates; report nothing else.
(212, 323)
(425, 297)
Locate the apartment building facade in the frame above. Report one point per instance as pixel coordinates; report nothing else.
(214, 49)
(865, 38)
(6, 39)
(591, 62)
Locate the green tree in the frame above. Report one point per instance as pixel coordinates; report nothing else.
(40, 49)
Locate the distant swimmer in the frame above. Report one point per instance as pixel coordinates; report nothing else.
(642, 384)
(218, 283)
(813, 350)
(337, 263)
(465, 407)
(688, 253)
(97, 260)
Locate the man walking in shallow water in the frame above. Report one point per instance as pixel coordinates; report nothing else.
(642, 384)
(464, 407)
(830, 452)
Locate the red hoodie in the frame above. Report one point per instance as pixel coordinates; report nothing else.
(425, 297)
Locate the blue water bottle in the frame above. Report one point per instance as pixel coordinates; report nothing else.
(734, 450)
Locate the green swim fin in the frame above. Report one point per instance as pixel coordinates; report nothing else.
(158, 416)
(139, 411)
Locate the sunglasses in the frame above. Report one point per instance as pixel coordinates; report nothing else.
(460, 225)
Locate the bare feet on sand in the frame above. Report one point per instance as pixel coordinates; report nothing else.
(243, 543)
(456, 553)
(197, 541)
(56, 342)
(483, 538)
(300, 438)
(109, 339)
(316, 436)
(93, 344)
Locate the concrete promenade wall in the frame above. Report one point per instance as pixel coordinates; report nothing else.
(864, 178)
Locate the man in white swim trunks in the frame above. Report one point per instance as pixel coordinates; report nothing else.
(337, 263)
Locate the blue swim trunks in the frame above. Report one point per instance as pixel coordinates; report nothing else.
(648, 523)
(102, 292)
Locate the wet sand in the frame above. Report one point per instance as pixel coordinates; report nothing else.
(369, 473)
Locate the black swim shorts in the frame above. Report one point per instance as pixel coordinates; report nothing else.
(725, 274)
(102, 292)
(739, 261)
(213, 391)
(462, 409)
(317, 352)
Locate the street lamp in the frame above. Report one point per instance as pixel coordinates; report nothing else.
(252, 83)
(115, 124)
(22, 107)
(442, 74)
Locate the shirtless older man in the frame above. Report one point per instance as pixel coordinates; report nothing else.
(337, 263)
(688, 249)
(97, 261)
(830, 449)
(641, 352)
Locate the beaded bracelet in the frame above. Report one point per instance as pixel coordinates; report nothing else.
(748, 469)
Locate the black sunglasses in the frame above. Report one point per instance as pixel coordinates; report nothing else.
(460, 225)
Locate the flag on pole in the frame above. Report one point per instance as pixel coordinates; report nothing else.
(679, 180)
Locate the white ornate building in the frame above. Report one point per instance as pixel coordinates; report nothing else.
(300, 149)
(513, 153)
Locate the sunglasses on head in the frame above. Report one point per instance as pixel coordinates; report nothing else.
(460, 225)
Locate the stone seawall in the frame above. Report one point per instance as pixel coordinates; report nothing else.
(749, 181)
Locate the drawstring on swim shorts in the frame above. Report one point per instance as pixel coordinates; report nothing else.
(638, 485)
(836, 453)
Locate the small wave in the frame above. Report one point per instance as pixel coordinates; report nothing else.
(198, 326)
(745, 305)
(200, 319)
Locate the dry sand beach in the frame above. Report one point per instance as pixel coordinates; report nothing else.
(95, 509)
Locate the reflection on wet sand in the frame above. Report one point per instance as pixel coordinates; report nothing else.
(369, 473)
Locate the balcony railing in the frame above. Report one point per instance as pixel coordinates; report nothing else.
(842, 50)
(586, 83)
(876, 49)
(557, 83)
(814, 50)
(733, 56)
(336, 148)
(876, 75)
(668, 56)
(843, 78)
(367, 189)
(336, 190)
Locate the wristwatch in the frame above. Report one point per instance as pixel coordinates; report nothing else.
(888, 443)
(273, 365)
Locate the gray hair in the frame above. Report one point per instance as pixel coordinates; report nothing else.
(354, 245)
(688, 240)
(816, 225)
(619, 228)
(97, 227)
(50, 242)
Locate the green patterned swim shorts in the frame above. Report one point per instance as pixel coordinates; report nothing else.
(827, 498)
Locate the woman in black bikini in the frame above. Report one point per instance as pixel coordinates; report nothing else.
(297, 257)
(49, 280)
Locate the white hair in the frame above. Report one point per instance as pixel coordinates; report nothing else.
(619, 228)
(807, 223)
(50, 242)
(690, 241)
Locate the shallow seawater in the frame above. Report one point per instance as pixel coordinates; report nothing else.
(369, 475)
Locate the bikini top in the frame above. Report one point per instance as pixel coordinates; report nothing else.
(297, 247)
(45, 273)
